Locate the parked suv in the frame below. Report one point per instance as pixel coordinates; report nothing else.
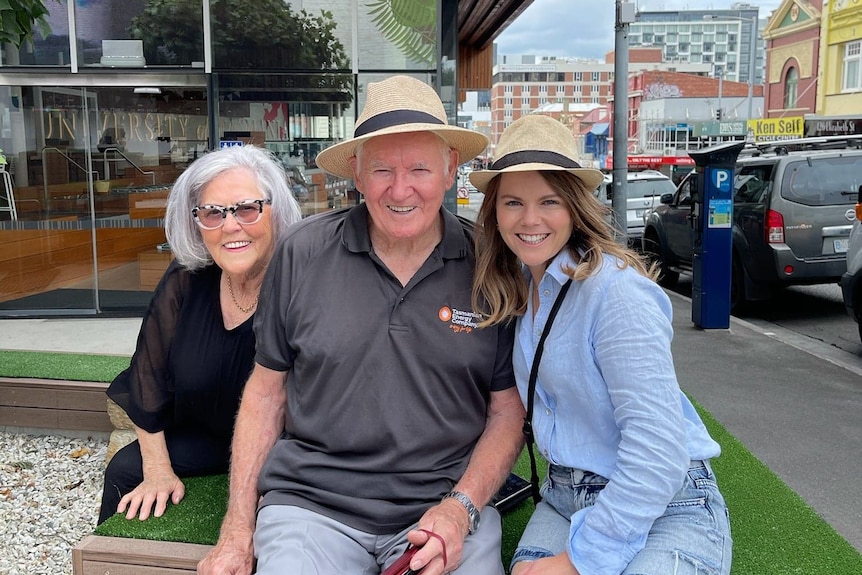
(643, 190)
(851, 281)
(793, 205)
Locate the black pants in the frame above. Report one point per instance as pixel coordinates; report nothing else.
(191, 454)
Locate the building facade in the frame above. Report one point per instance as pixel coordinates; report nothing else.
(101, 113)
(840, 93)
(728, 40)
(793, 58)
(566, 89)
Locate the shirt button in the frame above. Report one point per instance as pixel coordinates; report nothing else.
(548, 411)
(547, 292)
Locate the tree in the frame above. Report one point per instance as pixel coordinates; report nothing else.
(17, 18)
(247, 34)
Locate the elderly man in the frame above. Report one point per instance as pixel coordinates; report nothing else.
(378, 417)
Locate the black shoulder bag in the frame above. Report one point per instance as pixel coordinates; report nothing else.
(531, 390)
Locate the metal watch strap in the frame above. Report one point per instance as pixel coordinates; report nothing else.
(472, 511)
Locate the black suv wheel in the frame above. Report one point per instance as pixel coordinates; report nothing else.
(652, 250)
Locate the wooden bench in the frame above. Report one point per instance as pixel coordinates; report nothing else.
(98, 555)
(54, 404)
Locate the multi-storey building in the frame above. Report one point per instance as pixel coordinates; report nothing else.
(793, 47)
(562, 87)
(728, 40)
(814, 65)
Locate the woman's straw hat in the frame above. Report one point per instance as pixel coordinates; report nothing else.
(397, 105)
(536, 143)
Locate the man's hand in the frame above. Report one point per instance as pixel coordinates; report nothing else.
(233, 555)
(154, 490)
(448, 519)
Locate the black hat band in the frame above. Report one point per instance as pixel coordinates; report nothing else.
(394, 118)
(534, 157)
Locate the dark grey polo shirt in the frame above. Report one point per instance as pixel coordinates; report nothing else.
(389, 385)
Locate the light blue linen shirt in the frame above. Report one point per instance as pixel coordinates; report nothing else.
(607, 401)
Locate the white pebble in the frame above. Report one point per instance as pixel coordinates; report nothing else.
(49, 500)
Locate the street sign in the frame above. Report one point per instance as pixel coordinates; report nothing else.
(229, 143)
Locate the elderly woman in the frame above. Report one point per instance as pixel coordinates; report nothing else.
(196, 346)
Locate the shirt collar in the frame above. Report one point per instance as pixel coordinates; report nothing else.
(355, 236)
(556, 269)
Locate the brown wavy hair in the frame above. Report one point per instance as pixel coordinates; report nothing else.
(499, 290)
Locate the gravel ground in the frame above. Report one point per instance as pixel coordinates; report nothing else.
(50, 487)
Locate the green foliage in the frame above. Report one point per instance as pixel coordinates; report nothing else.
(410, 25)
(71, 366)
(17, 18)
(245, 34)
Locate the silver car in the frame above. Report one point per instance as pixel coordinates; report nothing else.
(643, 191)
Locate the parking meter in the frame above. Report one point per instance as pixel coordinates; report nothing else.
(712, 234)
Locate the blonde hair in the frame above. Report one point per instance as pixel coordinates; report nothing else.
(500, 290)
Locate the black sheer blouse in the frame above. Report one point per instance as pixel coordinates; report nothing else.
(187, 371)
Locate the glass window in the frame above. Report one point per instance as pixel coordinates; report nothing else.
(135, 34)
(51, 49)
(791, 82)
(752, 183)
(823, 181)
(852, 71)
(94, 161)
(309, 35)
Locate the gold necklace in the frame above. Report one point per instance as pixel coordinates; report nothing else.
(236, 303)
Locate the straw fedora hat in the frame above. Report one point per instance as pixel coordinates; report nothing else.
(397, 105)
(536, 143)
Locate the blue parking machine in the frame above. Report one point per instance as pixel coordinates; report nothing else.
(712, 234)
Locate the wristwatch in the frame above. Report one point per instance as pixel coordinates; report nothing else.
(472, 512)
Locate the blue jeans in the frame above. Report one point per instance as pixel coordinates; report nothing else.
(691, 537)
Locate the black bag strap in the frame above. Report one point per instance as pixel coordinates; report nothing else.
(531, 390)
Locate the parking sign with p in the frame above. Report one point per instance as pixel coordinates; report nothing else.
(721, 179)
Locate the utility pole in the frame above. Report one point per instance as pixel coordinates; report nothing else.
(625, 15)
(752, 64)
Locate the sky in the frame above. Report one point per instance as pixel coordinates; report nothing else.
(585, 28)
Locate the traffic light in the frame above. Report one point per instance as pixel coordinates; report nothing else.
(718, 114)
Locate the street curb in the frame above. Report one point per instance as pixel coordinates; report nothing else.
(817, 348)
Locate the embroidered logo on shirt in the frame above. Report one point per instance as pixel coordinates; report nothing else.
(459, 321)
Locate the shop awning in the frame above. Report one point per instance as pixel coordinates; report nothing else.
(600, 129)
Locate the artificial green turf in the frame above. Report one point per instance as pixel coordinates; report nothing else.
(56, 365)
(196, 520)
(774, 531)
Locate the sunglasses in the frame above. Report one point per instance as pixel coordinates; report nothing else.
(212, 217)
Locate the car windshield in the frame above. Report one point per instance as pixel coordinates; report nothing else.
(647, 188)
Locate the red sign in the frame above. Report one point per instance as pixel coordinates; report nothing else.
(640, 161)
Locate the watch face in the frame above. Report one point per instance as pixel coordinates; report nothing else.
(474, 522)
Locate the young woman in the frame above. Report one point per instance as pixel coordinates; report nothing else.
(629, 486)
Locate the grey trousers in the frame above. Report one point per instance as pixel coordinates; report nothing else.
(296, 541)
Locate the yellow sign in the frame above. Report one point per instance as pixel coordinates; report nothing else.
(774, 129)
